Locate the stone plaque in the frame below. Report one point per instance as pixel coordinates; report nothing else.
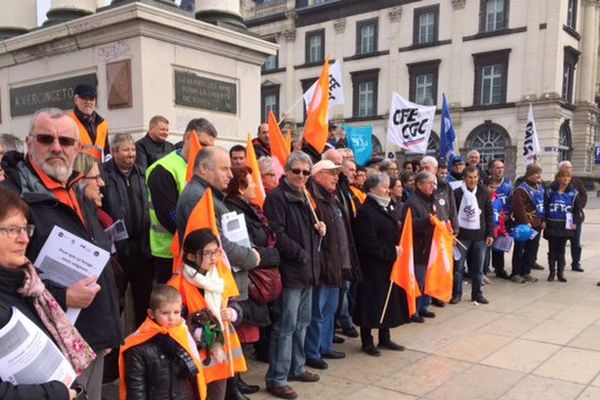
(199, 92)
(26, 100)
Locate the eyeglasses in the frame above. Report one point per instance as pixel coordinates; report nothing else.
(210, 254)
(13, 232)
(47, 139)
(268, 174)
(96, 178)
(298, 171)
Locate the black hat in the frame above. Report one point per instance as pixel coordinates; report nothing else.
(85, 91)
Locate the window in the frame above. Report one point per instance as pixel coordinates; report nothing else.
(564, 141)
(491, 74)
(364, 93)
(366, 36)
(490, 140)
(571, 57)
(270, 101)
(271, 63)
(425, 24)
(423, 82)
(493, 15)
(315, 46)
(572, 14)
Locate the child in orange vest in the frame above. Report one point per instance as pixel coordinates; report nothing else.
(160, 360)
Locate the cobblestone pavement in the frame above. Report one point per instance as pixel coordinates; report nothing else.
(533, 341)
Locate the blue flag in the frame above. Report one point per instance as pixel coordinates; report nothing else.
(447, 134)
(360, 140)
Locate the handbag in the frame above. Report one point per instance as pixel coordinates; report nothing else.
(264, 284)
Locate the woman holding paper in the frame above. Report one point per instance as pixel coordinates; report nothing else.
(23, 295)
(562, 205)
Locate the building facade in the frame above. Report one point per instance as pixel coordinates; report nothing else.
(492, 58)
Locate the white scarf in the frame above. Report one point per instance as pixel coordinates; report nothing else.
(469, 211)
(213, 287)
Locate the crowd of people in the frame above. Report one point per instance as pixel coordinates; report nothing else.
(315, 265)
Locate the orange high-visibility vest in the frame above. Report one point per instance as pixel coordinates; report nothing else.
(194, 301)
(95, 149)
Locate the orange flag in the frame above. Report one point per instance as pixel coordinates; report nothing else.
(203, 216)
(279, 148)
(403, 271)
(195, 148)
(288, 140)
(252, 162)
(317, 126)
(438, 282)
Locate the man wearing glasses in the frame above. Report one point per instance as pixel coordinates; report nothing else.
(45, 181)
(299, 235)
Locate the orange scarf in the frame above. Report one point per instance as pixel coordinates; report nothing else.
(147, 331)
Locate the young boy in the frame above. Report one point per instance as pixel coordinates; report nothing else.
(160, 360)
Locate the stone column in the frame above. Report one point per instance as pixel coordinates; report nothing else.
(66, 10)
(17, 17)
(220, 12)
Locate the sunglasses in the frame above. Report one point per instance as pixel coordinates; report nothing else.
(298, 171)
(46, 139)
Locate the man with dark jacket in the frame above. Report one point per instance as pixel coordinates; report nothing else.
(45, 181)
(261, 141)
(475, 232)
(527, 204)
(423, 203)
(298, 236)
(154, 145)
(335, 257)
(125, 199)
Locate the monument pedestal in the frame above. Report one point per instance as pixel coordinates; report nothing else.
(146, 61)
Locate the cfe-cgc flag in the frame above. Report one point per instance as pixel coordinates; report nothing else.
(336, 89)
(447, 133)
(531, 146)
(360, 140)
(409, 125)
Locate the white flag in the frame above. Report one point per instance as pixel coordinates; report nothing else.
(531, 146)
(336, 89)
(410, 124)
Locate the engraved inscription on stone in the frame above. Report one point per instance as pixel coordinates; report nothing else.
(26, 100)
(210, 94)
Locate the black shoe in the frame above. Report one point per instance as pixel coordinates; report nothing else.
(335, 355)
(577, 269)
(427, 314)
(480, 300)
(390, 345)
(371, 350)
(561, 278)
(537, 266)
(438, 303)
(455, 300)
(233, 391)
(246, 388)
(338, 340)
(598, 284)
(319, 363)
(418, 319)
(350, 332)
(500, 273)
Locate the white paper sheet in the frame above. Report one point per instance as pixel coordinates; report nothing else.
(66, 259)
(28, 356)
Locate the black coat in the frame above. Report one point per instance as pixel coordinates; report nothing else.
(10, 281)
(377, 235)
(126, 198)
(150, 375)
(297, 240)
(45, 212)
(255, 313)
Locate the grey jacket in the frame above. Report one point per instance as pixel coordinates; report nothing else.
(239, 256)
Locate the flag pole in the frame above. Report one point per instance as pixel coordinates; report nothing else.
(289, 110)
(385, 305)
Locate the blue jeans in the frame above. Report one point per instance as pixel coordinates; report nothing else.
(423, 301)
(474, 255)
(319, 334)
(291, 316)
